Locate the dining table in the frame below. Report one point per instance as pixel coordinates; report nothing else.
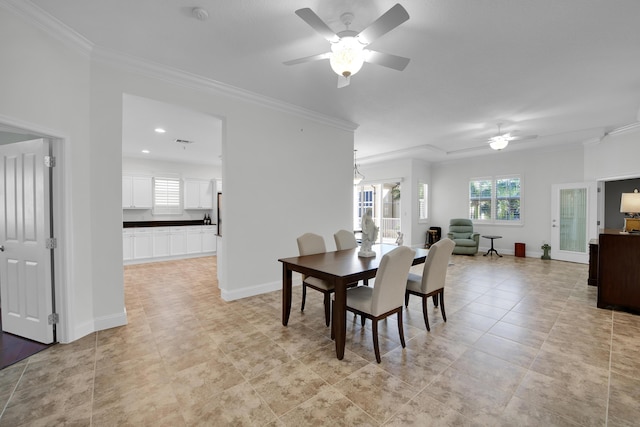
(340, 268)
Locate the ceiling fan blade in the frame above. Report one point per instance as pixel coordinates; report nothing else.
(523, 138)
(308, 59)
(387, 60)
(343, 81)
(310, 17)
(387, 22)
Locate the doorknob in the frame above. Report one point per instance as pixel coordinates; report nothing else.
(1, 248)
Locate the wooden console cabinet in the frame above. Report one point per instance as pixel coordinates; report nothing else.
(593, 263)
(619, 271)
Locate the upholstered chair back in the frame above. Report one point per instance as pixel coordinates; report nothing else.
(391, 280)
(435, 267)
(345, 240)
(461, 228)
(310, 244)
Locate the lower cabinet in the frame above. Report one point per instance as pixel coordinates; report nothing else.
(146, 244)
(209, 241)
(194, 240)
(142, 243)
(127, 244)
(178, 241)
(161, 242)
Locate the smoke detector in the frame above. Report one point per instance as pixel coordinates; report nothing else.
(200, 13)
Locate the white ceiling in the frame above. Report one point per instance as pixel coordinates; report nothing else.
(142, 116)
(567, 71)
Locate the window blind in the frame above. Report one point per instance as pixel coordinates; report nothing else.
(167, 196)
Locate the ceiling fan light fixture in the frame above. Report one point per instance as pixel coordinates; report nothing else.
(347, 56)
(499, 142)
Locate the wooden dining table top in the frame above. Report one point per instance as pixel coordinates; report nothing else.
(346, 263)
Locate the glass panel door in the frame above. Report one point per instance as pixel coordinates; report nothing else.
(384, 201)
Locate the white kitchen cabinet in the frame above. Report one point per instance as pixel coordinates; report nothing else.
(209, 238)
(194, 240)
(198, 194)
(146, 244)
(142, 243)
(161, 241)
(178, 238)
(136, 192)
(127, 244)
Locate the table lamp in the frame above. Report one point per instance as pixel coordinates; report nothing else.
(630, 205)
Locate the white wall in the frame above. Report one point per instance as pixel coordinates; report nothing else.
(275, 176)
(538, 169)
(45, 87)
(614, 158)
(277, 181)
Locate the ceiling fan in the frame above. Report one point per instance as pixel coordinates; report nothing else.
(348, 48)
(497, 142)
(501, 140)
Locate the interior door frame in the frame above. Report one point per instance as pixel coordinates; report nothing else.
(60, 217)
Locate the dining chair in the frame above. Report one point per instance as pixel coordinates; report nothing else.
(434, 274)
(345, 240)
(385, 298)
(311, 244)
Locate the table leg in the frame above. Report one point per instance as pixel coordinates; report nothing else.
(339, 320)
(286, 294)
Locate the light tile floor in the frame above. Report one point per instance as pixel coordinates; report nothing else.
(523, 345)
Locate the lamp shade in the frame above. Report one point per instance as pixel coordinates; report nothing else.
(347, 56)
(630, 202)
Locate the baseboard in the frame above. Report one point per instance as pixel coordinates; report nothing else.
(110, 321)
(167, 258)
(251, 291)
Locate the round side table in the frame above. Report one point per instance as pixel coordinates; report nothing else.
(492, 250)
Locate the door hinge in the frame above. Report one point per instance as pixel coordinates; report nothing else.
(49, 161)
(51, 243)
(53, 319)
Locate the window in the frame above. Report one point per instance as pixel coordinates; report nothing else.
(167, 196)
(423, 200)
(495, 199)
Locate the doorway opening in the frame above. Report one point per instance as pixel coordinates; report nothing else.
(19, 344)
(384, 201)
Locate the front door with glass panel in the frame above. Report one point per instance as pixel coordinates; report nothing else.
(571, 206)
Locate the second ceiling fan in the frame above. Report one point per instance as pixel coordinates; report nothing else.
(501, 140)
(348, 48)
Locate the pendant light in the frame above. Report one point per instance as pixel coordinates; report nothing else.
(357, 176)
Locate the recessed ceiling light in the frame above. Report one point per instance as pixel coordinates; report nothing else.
(146, 151)
(160, 130)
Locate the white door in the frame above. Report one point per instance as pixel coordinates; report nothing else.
(25, 261)
(572, 207)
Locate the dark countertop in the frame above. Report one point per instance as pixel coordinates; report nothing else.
(134, 224)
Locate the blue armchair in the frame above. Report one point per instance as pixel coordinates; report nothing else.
(462, 234)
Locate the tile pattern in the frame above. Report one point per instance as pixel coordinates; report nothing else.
(523, 345)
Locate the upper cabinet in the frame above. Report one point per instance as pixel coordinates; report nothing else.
(136, 192)
(198, 194)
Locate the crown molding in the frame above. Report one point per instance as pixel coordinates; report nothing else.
(194, 81)
(72, 39)
(622, 129)
(49, 25)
